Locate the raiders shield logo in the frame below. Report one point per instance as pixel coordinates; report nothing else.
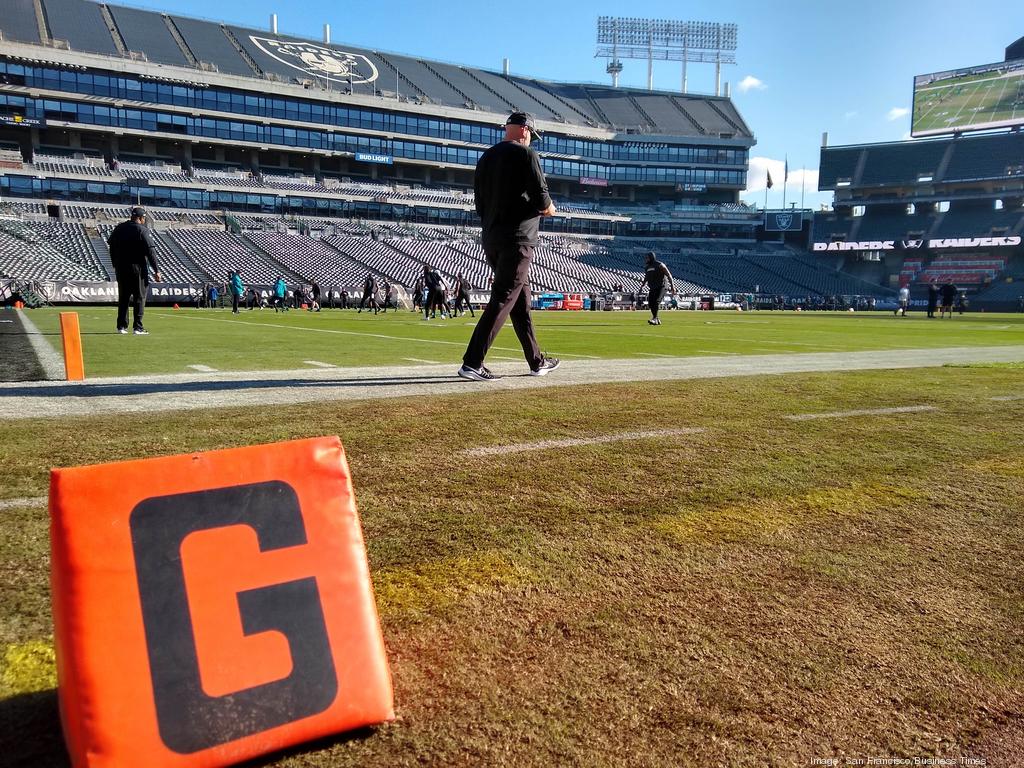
(783, 220)
(318, 61)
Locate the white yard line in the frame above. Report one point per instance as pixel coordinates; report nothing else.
(318, 364)
(654, 354)
(419, 360)
(503, 357)
(1007, 398)
(331, 330)
(51, 361)
(861, 412)
(202, 368)
(572, 442)
(32, 501)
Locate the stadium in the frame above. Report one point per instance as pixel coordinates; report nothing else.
(781, 528)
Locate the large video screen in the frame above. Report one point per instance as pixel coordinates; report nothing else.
(972, 99)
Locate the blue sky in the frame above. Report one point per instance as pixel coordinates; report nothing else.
(803, 67)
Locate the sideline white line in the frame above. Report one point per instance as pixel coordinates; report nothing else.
(49, 358)
(571, 442)
(32, 501)
(318, 364)
(503, 357)
(202, 368)
(1007, 398)
(329, 330)
(862, 412)
(419, 360)
(654, 354)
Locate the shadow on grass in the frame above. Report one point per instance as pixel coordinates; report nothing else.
(359, 734)
(142, 388)
(30, 734)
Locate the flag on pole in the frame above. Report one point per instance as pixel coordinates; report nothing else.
(770, 183)
(785, 176)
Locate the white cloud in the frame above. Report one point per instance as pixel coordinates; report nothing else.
(897, 112)
(850, 115)
(750, 83)
(802, 184)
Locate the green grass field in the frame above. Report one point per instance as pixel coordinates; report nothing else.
(764, 592)
(264, 340)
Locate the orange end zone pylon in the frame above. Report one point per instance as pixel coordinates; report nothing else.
(71, 337)
(212, 607)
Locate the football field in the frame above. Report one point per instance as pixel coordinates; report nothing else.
(743, 569)
(197, 340)
(969, 101)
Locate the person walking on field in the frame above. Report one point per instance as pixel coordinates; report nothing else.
(369, 299)
(280, 294)
(904, 301)
(655, 274)
(132, 253)
(236, 288)
(933, 298)
(462, 302)
(948, 292)
(511, 197)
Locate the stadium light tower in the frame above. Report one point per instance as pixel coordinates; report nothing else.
(667, 40)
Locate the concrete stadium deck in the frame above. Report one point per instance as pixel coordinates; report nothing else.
(182, 392)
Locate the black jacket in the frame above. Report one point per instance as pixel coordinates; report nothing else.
(131, 248)
(510, 193)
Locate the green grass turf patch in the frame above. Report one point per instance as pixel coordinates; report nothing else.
(762, 593)
(265, 340)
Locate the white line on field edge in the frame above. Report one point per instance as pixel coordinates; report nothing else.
(50, 360)
(32, 501)
(571, 442)
(420, 360)
(861, 412)
(202, 368)
(1008, 398)
(318, 364)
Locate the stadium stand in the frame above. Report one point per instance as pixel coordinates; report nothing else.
(986, 157)
(80, 23)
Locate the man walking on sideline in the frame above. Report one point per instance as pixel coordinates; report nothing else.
(511, 197)
(655, 274)
(132, 252)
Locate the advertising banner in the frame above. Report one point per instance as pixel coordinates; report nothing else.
(910, 245)
(365, 157)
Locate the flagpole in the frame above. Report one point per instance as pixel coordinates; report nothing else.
(785, 179)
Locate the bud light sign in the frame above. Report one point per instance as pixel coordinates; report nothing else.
(364, 157)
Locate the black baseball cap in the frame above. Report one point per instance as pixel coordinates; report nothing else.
(138, 212)
(525, 118)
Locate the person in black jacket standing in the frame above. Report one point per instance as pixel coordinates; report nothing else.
(655, 274)
(511, 197)
(132, 253)
(933, 298)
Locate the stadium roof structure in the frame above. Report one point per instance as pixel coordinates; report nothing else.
(193, 49)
